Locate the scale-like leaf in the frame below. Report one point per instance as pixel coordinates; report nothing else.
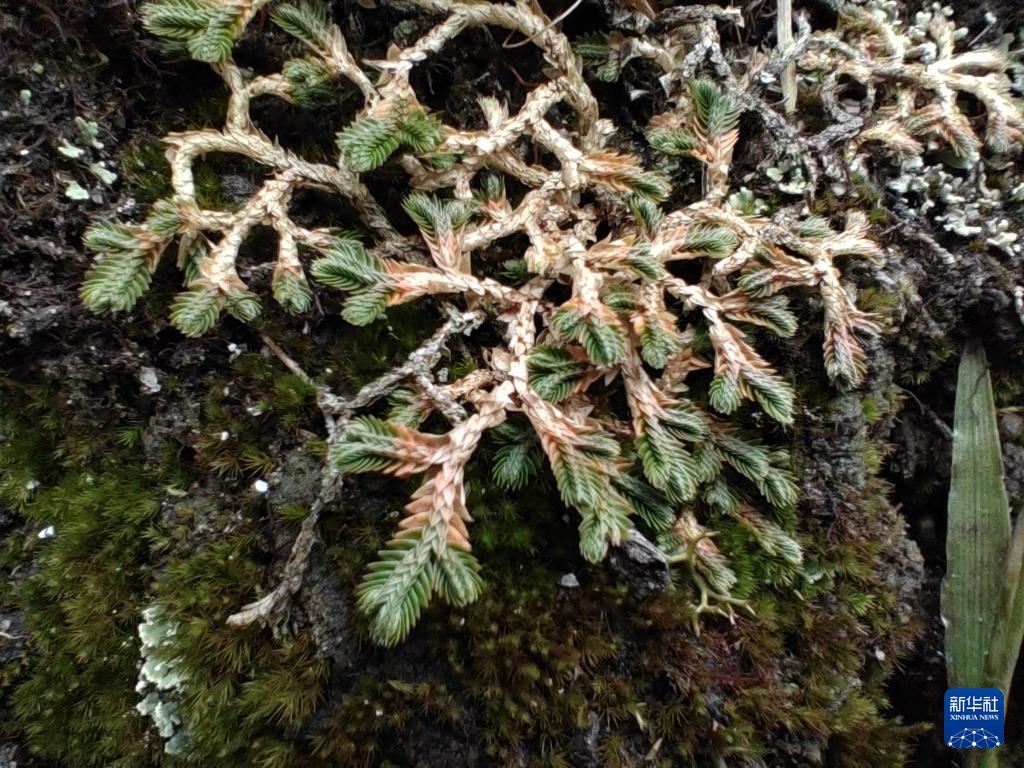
(366, 306)
(292, 292)
(310, 82)
(117, 282)
(194, 312)
(305, 21)
(368, 142)
(554, 373)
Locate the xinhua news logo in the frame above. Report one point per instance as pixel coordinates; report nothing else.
(973, 718)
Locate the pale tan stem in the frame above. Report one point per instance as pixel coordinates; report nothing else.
(784, 35)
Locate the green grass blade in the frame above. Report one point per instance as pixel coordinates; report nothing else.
(978, 538)
(1009, 629)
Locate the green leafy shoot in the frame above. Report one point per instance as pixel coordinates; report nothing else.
(672, 141)
(348, 266)
(123, 274)
(206, 29)
(667, 463)
(420, 132)
(117, 282)
(554, 373)
(310, 82)
(713, 242)
(305, 21)
(368, 142)
(716, 113)
(292, 292)
(195, 311)
(518, 457)
(435, 216)
(658, 344)
(647, 214)
(603, 338)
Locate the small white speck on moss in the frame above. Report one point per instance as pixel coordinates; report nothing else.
(569, 581)
(260, 486)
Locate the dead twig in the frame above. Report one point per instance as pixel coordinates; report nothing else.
(272, 609)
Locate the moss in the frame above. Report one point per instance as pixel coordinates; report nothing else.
(245, 693)
(532, 672)
(364, 353)
(72, 696)
(241, 415)
(144, 166)
(357, 733)
(534, 666)
(209, 189)
(144, 163)
(878, 300)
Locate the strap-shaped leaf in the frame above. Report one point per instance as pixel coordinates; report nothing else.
(979, 526)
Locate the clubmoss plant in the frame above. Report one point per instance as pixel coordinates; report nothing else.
(641, 308)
